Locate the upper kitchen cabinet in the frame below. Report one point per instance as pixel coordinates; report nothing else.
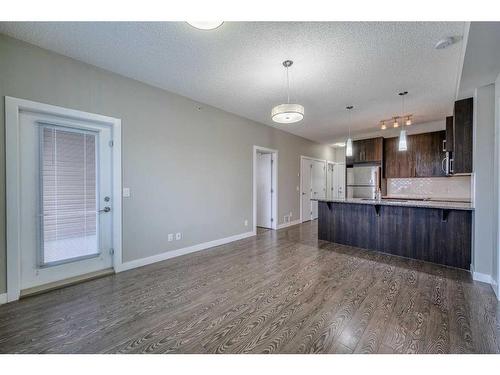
(367, 151)
(449, 134)
(423, 158)
(462, 136)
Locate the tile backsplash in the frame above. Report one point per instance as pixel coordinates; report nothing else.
(456, 187)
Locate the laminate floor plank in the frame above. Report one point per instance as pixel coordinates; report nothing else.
(280, 291)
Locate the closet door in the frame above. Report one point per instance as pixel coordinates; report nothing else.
(305, 175)
(339, 179)
(318, 179)
(330, 181)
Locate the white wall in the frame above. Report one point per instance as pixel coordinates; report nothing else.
(496, 211)
(484, 170)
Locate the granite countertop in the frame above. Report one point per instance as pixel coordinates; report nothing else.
(449, 205)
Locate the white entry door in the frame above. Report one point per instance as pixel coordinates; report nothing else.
(265, 190)
(66, 198)
(318, 184)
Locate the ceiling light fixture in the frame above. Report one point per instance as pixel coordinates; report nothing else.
(205, 25)
(403, 145)
(446, 42)
(339, 144)
(348, 149)
(287, 113)
(383, 126)
(408, 120)
(395, 123)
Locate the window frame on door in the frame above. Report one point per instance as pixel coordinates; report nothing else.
(41, 251)
(13, 107)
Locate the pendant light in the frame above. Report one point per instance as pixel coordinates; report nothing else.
(287, 113)
(348, 144)
(383, 126)
(402, 146)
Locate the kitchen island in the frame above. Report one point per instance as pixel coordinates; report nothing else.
(434, 231)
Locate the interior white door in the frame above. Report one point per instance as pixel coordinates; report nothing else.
(66, 198)
(305, 175)
(339, 180)
(265, 190)
(330, 182)
(318, 184)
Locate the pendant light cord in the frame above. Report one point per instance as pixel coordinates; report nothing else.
(350, 121)
(287, 86)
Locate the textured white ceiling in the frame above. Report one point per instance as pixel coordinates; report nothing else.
(237, 67)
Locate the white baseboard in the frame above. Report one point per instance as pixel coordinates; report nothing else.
(482, 277)
(494, 285)
(3, 298)
(175, 253)
(285, 225)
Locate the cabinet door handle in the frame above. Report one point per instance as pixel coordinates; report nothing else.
(444, 145)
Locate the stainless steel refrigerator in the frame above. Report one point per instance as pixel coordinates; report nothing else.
(363, 181)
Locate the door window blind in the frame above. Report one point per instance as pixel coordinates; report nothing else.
(68, 171)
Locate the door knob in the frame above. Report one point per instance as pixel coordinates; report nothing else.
(105, 209)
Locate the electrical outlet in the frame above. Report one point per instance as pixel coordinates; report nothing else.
(246, 223)
(170, 237)
(178, 236)
(126, 192)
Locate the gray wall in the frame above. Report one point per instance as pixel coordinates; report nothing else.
(484, 149)
(189, 169)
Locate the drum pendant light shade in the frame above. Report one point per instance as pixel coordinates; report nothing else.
(287, 113)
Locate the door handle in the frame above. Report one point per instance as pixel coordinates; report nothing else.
(105, 209)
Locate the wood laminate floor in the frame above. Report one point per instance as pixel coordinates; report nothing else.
(279, 292)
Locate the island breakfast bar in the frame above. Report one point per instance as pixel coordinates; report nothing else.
(437, 232)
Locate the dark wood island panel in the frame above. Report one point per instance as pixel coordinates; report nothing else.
(441, 236)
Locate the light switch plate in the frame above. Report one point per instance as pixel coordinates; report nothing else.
(178, 236)
(170, 237)
(126, 192)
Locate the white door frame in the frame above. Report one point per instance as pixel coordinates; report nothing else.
(256, 149)
(302, 157)
(13, 106)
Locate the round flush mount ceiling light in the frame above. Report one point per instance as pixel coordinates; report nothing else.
(287, 113)
(205, 25)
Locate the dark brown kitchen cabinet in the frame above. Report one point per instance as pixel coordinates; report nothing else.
(429, 154)
(367, 151)
(398, 163)
(423, 158)
(449, 134)
(462, 136)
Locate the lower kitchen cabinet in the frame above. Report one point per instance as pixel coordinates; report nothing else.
(441, 236)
